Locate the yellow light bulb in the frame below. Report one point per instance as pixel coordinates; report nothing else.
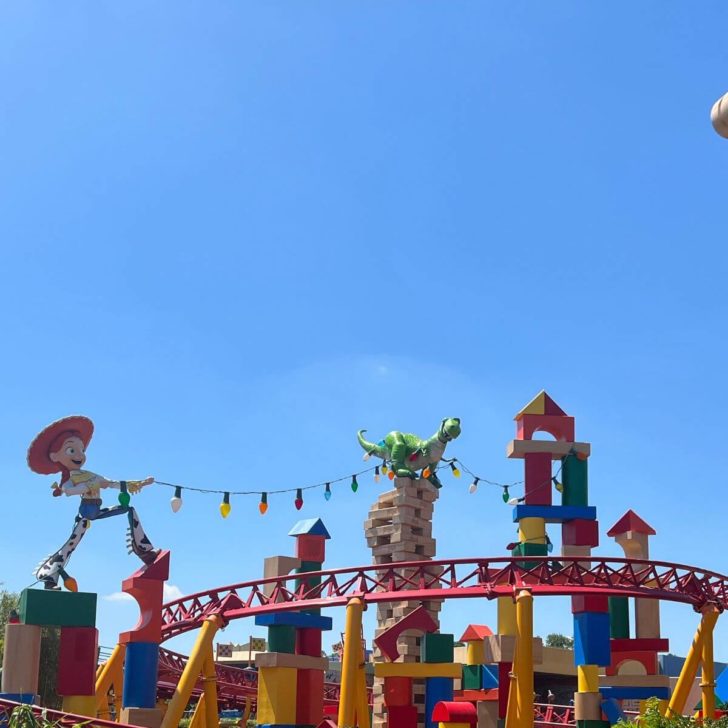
(225, 509)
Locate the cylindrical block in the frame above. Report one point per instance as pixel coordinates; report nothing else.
(475, 653)
(587, 678)
(21, 659)
(506, 616)
(140, 675)
(719, 116)
(587, 706)
(575, 479)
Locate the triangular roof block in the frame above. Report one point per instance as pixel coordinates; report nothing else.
(630, 521)
(476, 632)
(541, 404)
(310, 527)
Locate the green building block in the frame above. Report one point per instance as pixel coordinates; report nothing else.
(575, 479)
(50, 608)
(619, 617)
(530, 549)
(472, 677)
(282, 638)
(438, 648)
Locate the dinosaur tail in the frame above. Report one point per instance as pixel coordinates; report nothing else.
(370, 447)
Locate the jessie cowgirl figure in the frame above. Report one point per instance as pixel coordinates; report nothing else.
(61, 448)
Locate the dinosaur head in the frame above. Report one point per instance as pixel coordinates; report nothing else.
(449, 429)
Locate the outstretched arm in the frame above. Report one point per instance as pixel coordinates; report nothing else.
(134, 486)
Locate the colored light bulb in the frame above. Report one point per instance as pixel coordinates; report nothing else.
(354, 483)
(124, 498)
(454, 469)
(384, 468)
(506, 495)
(390, 474)
(263, 505)
(513, 501)
(557, 485)
(376, 474)
(474, 486)
(327, 491)
(176, 500)
(299, 500)
(366, 456)
(225, 506)
(549, 545)
(581, 456)
(426, 473)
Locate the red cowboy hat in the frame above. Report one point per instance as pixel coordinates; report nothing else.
(39, 460)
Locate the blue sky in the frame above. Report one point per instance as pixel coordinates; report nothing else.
(234, 234)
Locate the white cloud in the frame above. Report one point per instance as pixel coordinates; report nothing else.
(118, 597)
(170, 593)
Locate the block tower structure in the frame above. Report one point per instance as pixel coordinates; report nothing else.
(399, 528)
(291, 673)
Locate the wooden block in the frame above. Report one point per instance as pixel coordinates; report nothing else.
(417, 669)
(77, 658)
(647, 618)
(49, 608)
(587, 706)
(278, 566)
(557, 450)
(277, 695)
(309, 697)
(397, 691)
(487, 713)
(21, 658)
(285, 660)
(311, 548)
(402, 716)
(145, 717)
(637, 681)
(538, 484)
(500, 648)
(589, 603)
(308, 642)
(580, 532)
(640, 645)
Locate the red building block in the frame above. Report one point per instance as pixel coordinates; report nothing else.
(647, 659)
(504, 681)
(147, 587)
(640, 644)
(397, 691)
(589, 603)
(580, 532)
(419, 620)
(538, 479)
(77, 659)
(311, 548)
(308, 642)
(561, 427)
(309, 697)
(402, 716)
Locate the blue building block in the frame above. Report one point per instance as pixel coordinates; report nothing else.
(611, 709)
(140, 675)
(591, 639)
(436, 689)
(310, 527)
(633, 693)
(26, 698)
(555, 514)
(490, 677)
(301, 620)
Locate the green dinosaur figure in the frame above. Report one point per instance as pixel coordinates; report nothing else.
(409, 453)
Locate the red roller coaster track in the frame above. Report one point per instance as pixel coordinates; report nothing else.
(451, 579)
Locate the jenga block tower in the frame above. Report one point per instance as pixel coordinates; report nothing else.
(399, 528)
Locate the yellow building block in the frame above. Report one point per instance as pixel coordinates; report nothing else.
(532, 530)
(587, 677)
(453, 725)
(476, 653)
(416, 670)
(277, 695)
(80, 705)
(506, 616)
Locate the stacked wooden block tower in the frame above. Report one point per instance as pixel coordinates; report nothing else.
(399, 528)
(633, 672)
(436, 668)
(291, 674)
(479, 680)
(75, 614)
(141, 659)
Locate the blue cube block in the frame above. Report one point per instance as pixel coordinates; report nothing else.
(26, 698)
(611, 709)
(591, 639)
(490, 677)
(624, 692)
(436, 690)
(555, 514)
(140, 675)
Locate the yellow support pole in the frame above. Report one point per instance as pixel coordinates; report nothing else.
(191, 673)
(209, 685)
(349, 664)
(524, 666)
(506, 616)
(198, 717)
(512, 708)
(690, 667)
(246, 713)
(362, 704)
(707, 676)
(110, 674)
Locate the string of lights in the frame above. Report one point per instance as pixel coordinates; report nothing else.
(377, 470)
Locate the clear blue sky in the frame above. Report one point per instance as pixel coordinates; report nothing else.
(235, 233)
